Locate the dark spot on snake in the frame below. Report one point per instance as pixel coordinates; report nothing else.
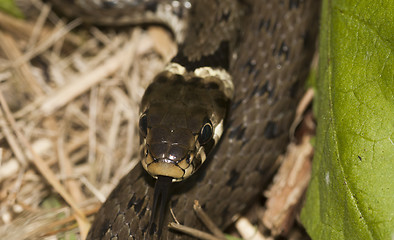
(212, 85)
(161, 79)
(236, 104)
(174, 203)
(198, 26)
(104, 226)
(233, 133)
(143, 230)
(225, 16)
(254, 91)
(241, 134)
(177, 79)
(359, 158)
(151, 6)
(266, 88)
(271, 130)
(131, 202)
(142, 213)
(224, 213)
(274, 27)
(295, 89)
(264, 24)
(255, 75)
(219, 59)
(234, 175)
(284, 49)
(238, 132)
(251, 66)
(271, 92)
(308, 40)
(244, 141)
(261, 23)
(281, 50)
(195, 80)
(137, 203)
(109, 4)
(294, 4)
(152, 229)
(268, 25)
(220, 102)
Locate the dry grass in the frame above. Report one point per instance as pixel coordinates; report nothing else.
(69, 97)
(69, 106)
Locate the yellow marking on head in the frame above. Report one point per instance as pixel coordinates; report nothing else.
(209, 74)
(201, 153)
(175, 68)
(188, 172)
(218, 131)
(165, 169)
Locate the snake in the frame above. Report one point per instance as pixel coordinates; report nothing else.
(234, 83)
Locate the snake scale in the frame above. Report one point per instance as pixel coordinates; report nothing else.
(267, 47)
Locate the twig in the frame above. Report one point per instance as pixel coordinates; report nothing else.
(248, 231)
(41, 165)
(192, 232)
(207, 221)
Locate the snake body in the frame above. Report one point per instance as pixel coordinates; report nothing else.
(268, 46)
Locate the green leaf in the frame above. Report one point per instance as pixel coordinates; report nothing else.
(229, 237)
(51, 202)
(351, 194)
(9, 7)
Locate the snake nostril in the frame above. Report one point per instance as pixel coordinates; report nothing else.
(188, 159)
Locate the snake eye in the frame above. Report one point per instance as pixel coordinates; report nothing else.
(205, 133)
(143, 125)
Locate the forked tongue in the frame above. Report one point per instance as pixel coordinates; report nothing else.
(162, 188)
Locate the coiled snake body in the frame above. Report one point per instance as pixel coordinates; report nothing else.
(267, 47)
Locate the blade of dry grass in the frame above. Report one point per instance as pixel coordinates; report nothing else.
(22, 73)
(192, 232)
(81, 84)
(41, 165)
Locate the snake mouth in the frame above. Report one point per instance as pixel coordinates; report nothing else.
(178, 168)
(168, 168)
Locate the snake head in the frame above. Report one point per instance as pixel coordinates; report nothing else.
(181, 120)
(173, 151)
